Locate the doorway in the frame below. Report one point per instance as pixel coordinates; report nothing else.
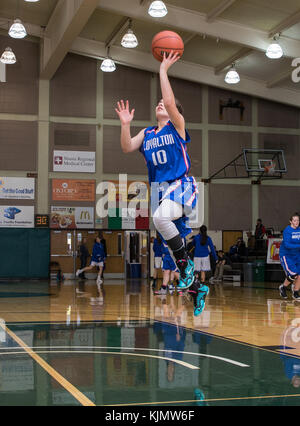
(65, 251)
(137, 254)
(229, 238)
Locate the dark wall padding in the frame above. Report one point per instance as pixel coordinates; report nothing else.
(230, 207)
(24, 253)
(277, 204)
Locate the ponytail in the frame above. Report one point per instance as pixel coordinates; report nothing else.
(203, 232)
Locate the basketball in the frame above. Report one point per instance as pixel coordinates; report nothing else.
(270, 169)
(165, 41)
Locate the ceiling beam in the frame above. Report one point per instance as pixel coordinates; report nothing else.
(189, 38)
(219, 9)
(66, 23)
(190, 71)
(195, 22)
(242, 53)
(122, 26)
(279, 78)
(285, 24)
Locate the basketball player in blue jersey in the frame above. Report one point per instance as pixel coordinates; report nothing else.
(164, 148)
(289, 254)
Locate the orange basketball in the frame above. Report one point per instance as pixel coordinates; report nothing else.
(165, 41)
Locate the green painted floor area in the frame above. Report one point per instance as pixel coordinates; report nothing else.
(142, 362)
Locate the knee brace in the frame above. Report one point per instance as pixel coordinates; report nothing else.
(291, 278)
(164, 216)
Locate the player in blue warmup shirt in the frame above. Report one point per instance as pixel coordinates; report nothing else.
(170, 272)
(164, 147)
(157, 250)
(203, 247)
(289, 254)
(97, 260)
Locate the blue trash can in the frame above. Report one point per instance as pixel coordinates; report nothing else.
(135, 270)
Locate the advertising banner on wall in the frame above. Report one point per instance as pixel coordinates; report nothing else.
(273, 250)
(73, 190)
(71, 217)
(16, 188)
(126, 204)
(16, 216)
(74, 161)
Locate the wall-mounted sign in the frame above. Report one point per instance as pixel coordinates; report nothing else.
(273, 250)
(73, 190)
(71, 217)
(74, 161)
(125, 205)
(16, 216)
(16, 188)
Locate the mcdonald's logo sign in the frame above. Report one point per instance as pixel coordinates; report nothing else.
(85, 215)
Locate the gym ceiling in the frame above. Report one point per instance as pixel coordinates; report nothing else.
(216, 34)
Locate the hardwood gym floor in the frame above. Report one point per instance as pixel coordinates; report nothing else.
(60, 344)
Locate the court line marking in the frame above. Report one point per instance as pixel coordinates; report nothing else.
(228, 339)
(50, 370)
(230, 361)
(176, 361)
(205, 400)
(150, 320)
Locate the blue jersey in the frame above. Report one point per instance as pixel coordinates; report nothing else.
(98, 254)
(206, 249)
(168, 261)
(290, 245)
(165, 154)
(157, 248)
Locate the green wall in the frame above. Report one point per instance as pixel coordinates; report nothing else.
(24, 253)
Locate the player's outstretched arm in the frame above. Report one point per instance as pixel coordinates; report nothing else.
(168, 95)
(128, 144)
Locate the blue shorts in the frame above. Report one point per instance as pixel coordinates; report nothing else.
(169, 264)
(183, 191)
(291, 265)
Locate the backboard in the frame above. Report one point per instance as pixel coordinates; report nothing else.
(264, 163)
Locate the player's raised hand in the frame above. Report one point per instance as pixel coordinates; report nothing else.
(124, 113)
(169, 60)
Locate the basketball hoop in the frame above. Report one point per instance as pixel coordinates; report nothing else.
(270, 169)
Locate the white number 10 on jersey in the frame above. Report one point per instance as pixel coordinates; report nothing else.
(159, 157)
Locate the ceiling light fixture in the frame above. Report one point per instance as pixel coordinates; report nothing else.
(17, 29)
(232, 77)
(157, 9)
(129, 40)
(8, 57)
(108, 65)
(274, 51)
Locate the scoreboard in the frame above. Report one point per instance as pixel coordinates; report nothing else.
(41, 221)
